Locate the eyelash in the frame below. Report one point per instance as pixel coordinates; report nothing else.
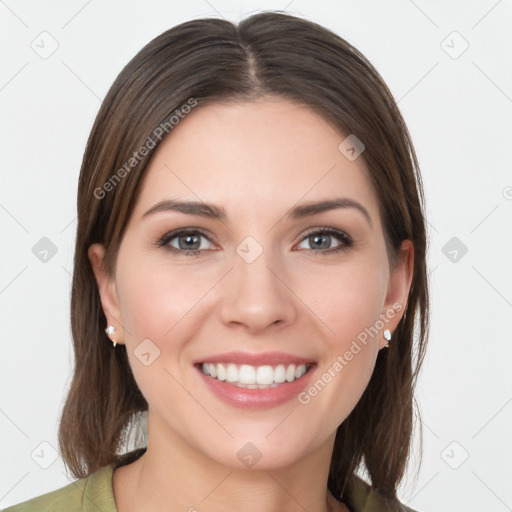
(340, 235)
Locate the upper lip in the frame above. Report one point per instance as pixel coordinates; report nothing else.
(260, 359)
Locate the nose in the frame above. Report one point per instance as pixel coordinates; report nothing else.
(256, 296)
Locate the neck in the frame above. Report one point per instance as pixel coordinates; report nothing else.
(172, 475)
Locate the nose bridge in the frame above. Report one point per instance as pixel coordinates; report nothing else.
(257, 295)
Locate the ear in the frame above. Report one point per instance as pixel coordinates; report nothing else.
(107, 290)
(398, 290)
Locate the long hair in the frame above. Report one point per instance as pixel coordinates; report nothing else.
(204, 61)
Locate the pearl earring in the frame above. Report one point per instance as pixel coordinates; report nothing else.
(111, 333)
(387, 335)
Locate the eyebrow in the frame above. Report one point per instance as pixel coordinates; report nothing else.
(213, 211)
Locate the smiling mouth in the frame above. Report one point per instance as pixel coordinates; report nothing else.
(255, 377)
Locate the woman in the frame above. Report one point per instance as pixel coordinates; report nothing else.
(251, 238)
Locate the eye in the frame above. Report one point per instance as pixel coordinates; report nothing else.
(186, 241)
(321, 239)
(189, 242)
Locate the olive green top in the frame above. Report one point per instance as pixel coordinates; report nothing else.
(95, 494)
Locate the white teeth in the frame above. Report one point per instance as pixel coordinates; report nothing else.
(280, 373)
(300, 371)
(290, 373)
(265, 375)
(221, 372)
(231, 373)
(253, 377)
(246, 375)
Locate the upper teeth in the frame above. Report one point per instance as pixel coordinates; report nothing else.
(254, 376)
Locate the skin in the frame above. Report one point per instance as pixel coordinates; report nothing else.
(258, 160)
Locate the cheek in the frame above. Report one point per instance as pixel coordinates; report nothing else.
(155, 307)
(154, 299)
(348, 299)
(350, 310)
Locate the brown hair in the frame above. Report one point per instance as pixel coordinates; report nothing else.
(209, 60)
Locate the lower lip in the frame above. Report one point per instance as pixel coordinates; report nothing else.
(246, 398)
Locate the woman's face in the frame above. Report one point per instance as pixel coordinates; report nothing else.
(253, 297)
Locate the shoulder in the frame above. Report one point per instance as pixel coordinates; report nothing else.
(88, 494)
(362, 498)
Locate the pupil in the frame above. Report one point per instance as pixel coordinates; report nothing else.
(325, 244)
(188, 239)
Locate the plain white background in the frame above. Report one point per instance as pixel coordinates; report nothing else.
(457, 102)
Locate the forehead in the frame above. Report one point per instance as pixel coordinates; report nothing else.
(253, 157)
